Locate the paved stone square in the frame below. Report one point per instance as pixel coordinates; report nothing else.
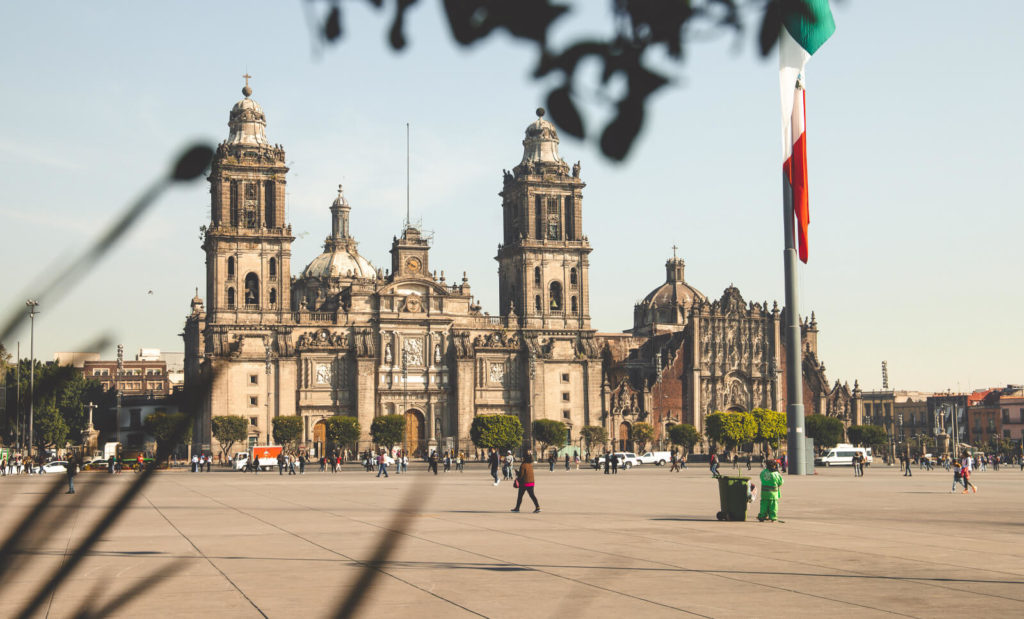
(644, 542)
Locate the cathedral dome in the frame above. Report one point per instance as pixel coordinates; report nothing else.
(541, 142)
(340, 258)
(247, 122)
(669, 303)
(342, 262)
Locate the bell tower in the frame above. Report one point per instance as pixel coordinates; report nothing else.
(247, 242)
(543, 264)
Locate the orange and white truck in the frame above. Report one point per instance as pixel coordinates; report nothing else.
(264, 455)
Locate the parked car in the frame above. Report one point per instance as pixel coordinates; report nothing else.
(57, 466)
(842, 455)
(627, 460)
(657, 458)
(96, 464)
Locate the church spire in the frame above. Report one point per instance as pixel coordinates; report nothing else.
(247, 122)
(340, 235)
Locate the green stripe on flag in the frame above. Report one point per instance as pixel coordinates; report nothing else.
(809, 27)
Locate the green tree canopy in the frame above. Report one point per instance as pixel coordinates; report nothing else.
(643, 433)
(684, 435)
(826, 431)
(165, 427)
(731, 429)
(771, 428)
(342, 430)
(50, 427)
(388, 430)
(867, 435)
(502, 432)
(549, 433)
(288, 431)
(228, 430)
(594, 435)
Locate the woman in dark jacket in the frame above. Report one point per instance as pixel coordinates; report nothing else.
(525, 479)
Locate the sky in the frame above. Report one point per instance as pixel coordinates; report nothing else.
(914, 136)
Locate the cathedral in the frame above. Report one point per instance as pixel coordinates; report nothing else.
(342, 337)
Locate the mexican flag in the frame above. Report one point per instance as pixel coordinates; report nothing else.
(803, 32)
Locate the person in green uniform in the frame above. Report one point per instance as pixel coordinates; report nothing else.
(771, 490)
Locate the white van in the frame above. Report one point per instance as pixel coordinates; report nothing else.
(842, 455)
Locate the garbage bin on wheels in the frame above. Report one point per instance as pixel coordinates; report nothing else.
(732, 492)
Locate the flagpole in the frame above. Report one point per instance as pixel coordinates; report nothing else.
(791, 337)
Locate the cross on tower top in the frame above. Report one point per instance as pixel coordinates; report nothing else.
(246, 90)
(674, 248)
(247, 76)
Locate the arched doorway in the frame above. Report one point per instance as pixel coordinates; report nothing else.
(625, 436)
(415, 433)
(319, 437)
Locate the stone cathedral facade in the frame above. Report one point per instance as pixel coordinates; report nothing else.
(342, 337)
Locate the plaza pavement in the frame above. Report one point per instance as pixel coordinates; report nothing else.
(644, 542)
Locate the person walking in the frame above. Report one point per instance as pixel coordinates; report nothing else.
(713, 464)
(615, 464)
(209, 462)
(492, 461)
(567, 462)
(675, 462)
(771, 492)
(382, 465)
(551, 462)
(509, 463)
(72, 470)
(525, 481)
(748, 462)
(405, 462)
(280, 463)
(607, 463)
(965, 476)
(432, 463)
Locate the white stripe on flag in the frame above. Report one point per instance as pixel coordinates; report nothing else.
(792, 59)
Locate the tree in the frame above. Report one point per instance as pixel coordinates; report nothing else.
(549, 433)
(342, 430)
(228, 430)
(771, 428)
(643, 433)
(826, 431)
(731, 429)
(684, 435)
(388, 430)
(288, 431)
(167, 428)
(502, 432)
(594, 435)
(50, 427)
(867, 435)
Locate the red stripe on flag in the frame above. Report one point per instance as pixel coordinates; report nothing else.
(796, 172)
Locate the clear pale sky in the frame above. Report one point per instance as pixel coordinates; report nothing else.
(915, 167)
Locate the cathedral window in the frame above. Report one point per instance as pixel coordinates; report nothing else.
(536, 302)
(536, 275)
(573, 306)
(570, 218)
(273, 296)
(235, 204)
(273, 267)
(572, 277)
(250, 205)
(269, 215)
(538, 211)
(555, 293)
(231, 266)
(252, 290)
(231, 298)
(554, 224)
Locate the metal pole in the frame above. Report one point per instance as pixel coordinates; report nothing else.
(792, 339)
(32, 304)
(267, 346)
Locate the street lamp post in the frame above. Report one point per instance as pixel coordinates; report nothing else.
(32, 304)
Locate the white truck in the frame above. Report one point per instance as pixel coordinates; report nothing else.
(842, 455)
(657, 458)
(266, 455)
(627, 460)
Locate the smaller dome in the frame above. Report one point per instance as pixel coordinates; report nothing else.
(247, 122)
(541, 141)
(341, 263)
